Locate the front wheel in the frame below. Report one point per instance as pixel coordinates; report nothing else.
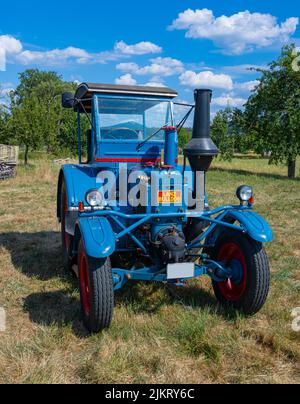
(96, 291)
(249, 286)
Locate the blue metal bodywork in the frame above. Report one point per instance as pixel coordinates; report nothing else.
(115, 229)
(251, 223)
(98, 237)
(79, 179)
(171, 148)
(255, 226)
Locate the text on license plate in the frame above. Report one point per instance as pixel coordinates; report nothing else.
(169, 197)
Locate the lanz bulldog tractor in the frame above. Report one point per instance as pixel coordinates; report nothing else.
(131, 212)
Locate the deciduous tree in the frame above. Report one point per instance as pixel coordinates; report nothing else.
(272, 112)
(25, 124)
(222, 135)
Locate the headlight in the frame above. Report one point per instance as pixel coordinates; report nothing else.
(244, 193)
(94, 198)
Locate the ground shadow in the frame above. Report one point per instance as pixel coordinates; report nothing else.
(59, 308)
(245, 172)
(62, 308)
(145, 298)
(251, 157)
(39, 255)
(36, 254)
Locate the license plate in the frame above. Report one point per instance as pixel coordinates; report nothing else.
(169, 197)
(181, 271)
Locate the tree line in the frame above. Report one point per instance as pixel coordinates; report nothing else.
(269, 124)
(34, 117)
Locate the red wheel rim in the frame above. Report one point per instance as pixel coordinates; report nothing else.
(230, 290)
(66, 235)
(84, 279)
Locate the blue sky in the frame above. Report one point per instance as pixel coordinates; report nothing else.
(181, 44)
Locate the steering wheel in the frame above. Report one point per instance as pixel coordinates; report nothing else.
(129, 134)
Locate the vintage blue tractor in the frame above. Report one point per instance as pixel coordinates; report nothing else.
(131, 212)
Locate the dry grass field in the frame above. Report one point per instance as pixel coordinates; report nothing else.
(159, 335)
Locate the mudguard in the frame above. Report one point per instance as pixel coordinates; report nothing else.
(79, 179)
(256, 226)
(98, 237)
(253, 224)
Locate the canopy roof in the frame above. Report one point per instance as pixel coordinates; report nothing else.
(85, 91)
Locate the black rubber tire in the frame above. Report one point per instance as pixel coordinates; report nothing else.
(67, 260)
(258, 277)
(101, 295)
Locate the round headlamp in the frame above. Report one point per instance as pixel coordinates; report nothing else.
(94, 198)
(244, 193)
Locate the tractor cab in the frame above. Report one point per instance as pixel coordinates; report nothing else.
(128, 123)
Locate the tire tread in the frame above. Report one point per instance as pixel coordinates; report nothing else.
(258, 274)
(101, 294)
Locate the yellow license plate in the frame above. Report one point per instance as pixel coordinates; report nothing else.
(169, 197)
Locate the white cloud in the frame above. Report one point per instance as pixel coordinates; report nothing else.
(159, 67)
(155, 82)
(2, 60)
(126, 80)
(5, 89)
(54, 57)
(128, 67)
(142, 48)
(10, 44)
(238, 33)
(199, 67)
(228, 101)
(168, 62)
(247, 86)
(16, 53)
(206, 79)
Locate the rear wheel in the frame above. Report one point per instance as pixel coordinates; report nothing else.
(249, 286)
(96, 291)
(66, 238)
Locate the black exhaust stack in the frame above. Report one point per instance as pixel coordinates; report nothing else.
(201, 149)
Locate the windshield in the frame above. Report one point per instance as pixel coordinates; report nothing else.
(133, 118)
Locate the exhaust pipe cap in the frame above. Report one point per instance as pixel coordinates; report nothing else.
(201, 149)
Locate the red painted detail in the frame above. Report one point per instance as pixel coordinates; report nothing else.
(231, 291)
(66, 205)
(169, 128)
(67, 241)
(128, 160)
(81, 207)
(167, 167)
(84, 282)
(66, 235)
(149, 164)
